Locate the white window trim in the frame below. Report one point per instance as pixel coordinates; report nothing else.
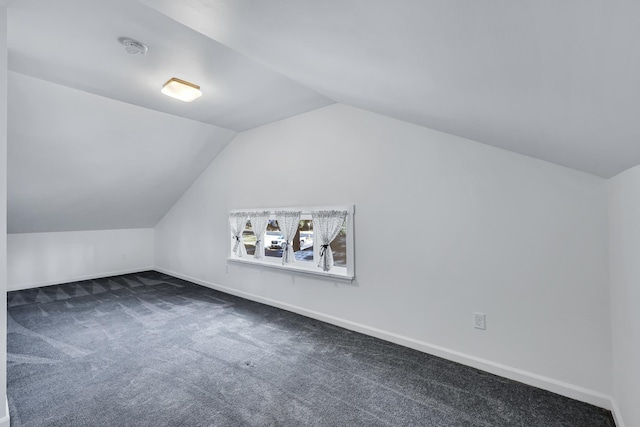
(304, 267)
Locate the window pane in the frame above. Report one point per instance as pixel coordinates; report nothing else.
(303, 247)
(249, 239)
(339, 247)
(305, 236)
(273, 240)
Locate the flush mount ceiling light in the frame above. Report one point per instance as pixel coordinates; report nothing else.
(180, 89)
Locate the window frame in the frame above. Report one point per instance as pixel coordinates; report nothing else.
(302, 267)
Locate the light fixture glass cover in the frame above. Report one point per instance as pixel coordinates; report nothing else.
(182, 90)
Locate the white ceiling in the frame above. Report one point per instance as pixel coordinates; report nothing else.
(93, 144)
(79, 161)
(556, 80)
(75, 43)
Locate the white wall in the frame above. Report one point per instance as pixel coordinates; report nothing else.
(40, 259)
(519, 239)
(4, 415)
(624, 214)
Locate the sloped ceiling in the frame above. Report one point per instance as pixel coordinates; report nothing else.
(93, 144)
(75, 43)
(79, 161)
(556, 80)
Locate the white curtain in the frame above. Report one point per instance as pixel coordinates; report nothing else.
(326, 226)
(238, 220)
(288, 222)
(259, 221)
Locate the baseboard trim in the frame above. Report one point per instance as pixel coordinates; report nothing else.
(559, 387)
(77, 278)
(617, 416)
(6, 420)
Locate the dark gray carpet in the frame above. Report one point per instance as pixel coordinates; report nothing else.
(151, 350)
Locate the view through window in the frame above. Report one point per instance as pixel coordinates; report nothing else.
(331, 227)
(302, 245)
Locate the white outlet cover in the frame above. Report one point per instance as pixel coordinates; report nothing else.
(480, 321)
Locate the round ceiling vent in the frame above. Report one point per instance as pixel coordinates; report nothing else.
(133, 47)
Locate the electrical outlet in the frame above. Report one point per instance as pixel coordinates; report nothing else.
(480, 321)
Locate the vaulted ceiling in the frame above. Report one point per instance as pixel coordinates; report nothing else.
(556, 80)
(79, 161)
(93, 143)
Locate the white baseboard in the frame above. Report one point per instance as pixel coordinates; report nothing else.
(559, 387)
(5, 421)
(617, 416)
(76, 278)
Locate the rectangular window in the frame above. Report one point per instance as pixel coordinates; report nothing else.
(307, 247)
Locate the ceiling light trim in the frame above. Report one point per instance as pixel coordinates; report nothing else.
(181, 89)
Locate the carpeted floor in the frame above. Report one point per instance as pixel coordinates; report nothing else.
(151, 350)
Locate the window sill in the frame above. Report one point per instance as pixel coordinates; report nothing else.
(311, 270)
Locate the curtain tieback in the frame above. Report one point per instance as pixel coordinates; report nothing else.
(237, 238)
(323, 249)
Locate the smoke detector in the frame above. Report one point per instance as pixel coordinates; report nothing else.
(133, 47)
